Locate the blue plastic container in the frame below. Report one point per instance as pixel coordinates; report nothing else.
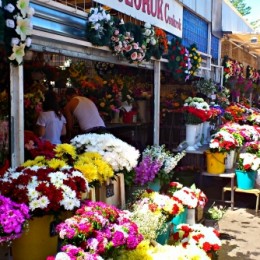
(164, 237)
(245, 180)
(179, 219)
(155, 185)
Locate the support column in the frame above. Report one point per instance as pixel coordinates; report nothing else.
(17, 115)
(157, 88)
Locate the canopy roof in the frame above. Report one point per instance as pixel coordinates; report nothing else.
(250, 41)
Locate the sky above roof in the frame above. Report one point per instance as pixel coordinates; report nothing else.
(255, 10)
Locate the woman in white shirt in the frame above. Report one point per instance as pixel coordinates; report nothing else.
(51, 124)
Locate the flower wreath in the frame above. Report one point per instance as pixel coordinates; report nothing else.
(99, 26)
(18, 28)
(195, 58)
(179, 60)
(125, 42)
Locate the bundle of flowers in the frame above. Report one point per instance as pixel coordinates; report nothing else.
(206, 86)
(34, 146)
(98, 228)
(91, 164)
(248, 162)
(237, 113)
(156, 251)
(253, 147)
(159, 204)
(99, 26)
(148, 217)
(123, 44)
(206, 238)
(158, 163)
(120, 155)
(179, 62)
(13, 219)
(195, 59)
(18, 15)
(44, 189)
(162, 40)
(223, 141)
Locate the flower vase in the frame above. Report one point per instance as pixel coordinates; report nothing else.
(191, 136)
(230, 159)
(245, 180)
(198, 136)
(155, 185)
(206, 132)
(164, 235)
(179, 219)
(191, 217)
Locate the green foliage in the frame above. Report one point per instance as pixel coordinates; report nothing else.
(241, 6)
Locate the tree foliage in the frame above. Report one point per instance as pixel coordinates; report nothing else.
(242, 8)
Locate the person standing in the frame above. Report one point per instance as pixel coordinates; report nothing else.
(85, 112)
(51, 123)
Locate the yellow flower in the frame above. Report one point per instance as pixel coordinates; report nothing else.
(18, 53)
(88, 170)
(24, 27)
(39, 161)
(56, 163)
(63, 150)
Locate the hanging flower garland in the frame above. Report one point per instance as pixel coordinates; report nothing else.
(195, 58)
(99, 26)
(162, 39)
(179, 61)
(18, 28)
(124, 43)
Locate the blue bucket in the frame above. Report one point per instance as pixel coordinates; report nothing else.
(245, 180)
(179, 219)
(155, 185)
(164, 236)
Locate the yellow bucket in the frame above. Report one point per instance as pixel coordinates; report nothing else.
(215, 162)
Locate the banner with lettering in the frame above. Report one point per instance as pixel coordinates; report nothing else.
(165, 14)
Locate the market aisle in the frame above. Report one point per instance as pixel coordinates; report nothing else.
(240, 233)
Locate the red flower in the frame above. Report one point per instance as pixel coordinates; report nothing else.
(206, 246)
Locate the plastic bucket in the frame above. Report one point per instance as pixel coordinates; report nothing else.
(215, 162)
(245, 180)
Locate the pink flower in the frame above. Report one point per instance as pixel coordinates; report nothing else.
(134, 56)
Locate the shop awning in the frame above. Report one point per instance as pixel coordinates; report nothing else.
(249, 41)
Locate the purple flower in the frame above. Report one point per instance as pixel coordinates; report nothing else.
(118, 239)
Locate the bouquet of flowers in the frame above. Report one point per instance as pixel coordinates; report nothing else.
(99, 26)
(13, 219)
(100, 229)
(44, 189)
(223, 141)
(120, 155)
(248, 162)
(206, 238)
(215, 212)
(156, 162)
(196, 110)
(195, 58)
(18, 15)
(206, 87)
(253, 147)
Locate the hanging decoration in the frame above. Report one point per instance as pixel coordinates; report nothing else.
(195, 58)
(232, 68)
(252, 74)
(99, 26)
(18, 28)
(179, 63)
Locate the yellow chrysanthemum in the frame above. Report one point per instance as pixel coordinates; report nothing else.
(56, 163)
(104, 169)
(88, 170)
(63, 150)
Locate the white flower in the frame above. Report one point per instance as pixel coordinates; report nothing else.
(9, 7)
(147, 25)
(23, 6)
(62, 256)
(24, 27)
(10, 23)
(28, 42)
(15, 41)
(18, 53)
(30, 12)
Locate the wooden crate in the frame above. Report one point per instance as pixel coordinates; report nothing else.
(113, 192)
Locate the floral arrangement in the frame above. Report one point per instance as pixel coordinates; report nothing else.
(206, 238)
(223, 141)
(253, 147)
(160, 203)
(158, 163)
(215, 212)
(123, 44)
(190, 197)
(232, 68)
(18, 15)
(94, 168)
(162, 40)
(252, 74)
(34, 146)
(248, 162)
(195, 58)
(206, 87)
(99, 26)
(179, 63)
(100, 229)
(13, 219)
(196, 110)
(43, 189)
(120, 155)
(148, 217)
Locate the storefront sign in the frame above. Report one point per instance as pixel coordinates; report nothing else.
(166, 14)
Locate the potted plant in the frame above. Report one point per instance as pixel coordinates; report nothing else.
(213, 214)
